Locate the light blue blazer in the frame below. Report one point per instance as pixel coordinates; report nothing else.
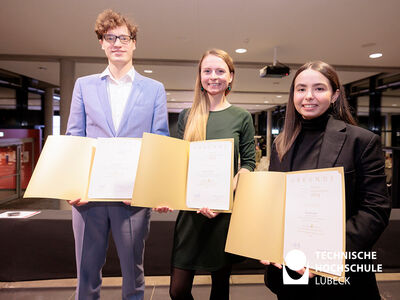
(90, 114)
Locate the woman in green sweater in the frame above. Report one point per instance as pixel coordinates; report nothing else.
(199, 238)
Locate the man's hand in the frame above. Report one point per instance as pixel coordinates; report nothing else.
(77, 202)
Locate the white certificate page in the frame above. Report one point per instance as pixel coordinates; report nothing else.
(209, 175)
(314, 218)
(114, 168)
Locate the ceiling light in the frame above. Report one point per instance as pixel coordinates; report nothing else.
(394, 104)
(172, 99)
(168, 93)
(148, 71)
(278, 96)
(375, 55)
(241, 50)
(266, 101)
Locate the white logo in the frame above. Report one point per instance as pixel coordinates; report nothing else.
(295, 260)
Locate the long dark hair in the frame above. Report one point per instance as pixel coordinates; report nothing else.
(339, 109)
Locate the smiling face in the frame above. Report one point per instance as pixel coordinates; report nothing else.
(312, 94)
(214, 74)
(118, 53)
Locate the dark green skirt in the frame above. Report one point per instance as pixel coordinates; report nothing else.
(199, 242)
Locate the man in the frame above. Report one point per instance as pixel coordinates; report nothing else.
(116, 103)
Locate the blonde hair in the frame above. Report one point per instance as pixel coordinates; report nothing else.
(197, 117)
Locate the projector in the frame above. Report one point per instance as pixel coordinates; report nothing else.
(277, 71)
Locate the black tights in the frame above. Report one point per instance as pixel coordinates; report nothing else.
(182, 282)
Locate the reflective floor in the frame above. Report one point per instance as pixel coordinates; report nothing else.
(248, 287)
(243, 287)
(155, 290)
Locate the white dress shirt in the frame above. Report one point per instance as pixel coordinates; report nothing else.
(118, 93)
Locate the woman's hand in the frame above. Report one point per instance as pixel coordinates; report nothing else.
(127, 202)
(205, 211)
(279, 266)
(77, 202)
(301, 272)
(235, 179)
(162, 209)
(267, 263)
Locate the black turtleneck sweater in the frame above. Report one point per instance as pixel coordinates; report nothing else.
(308, 143)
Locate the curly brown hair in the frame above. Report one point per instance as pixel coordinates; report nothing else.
(110, 19)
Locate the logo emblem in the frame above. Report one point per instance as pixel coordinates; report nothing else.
(295, 260)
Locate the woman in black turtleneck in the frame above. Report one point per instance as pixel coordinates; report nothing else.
(308, 143)
(319, 132)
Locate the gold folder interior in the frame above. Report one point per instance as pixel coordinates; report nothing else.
(62, 170)
(256, 228)
(161, 178)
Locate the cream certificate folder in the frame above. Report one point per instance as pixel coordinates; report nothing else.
(184, 175)
(71, 167)
(114, 168)
(276, 212)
